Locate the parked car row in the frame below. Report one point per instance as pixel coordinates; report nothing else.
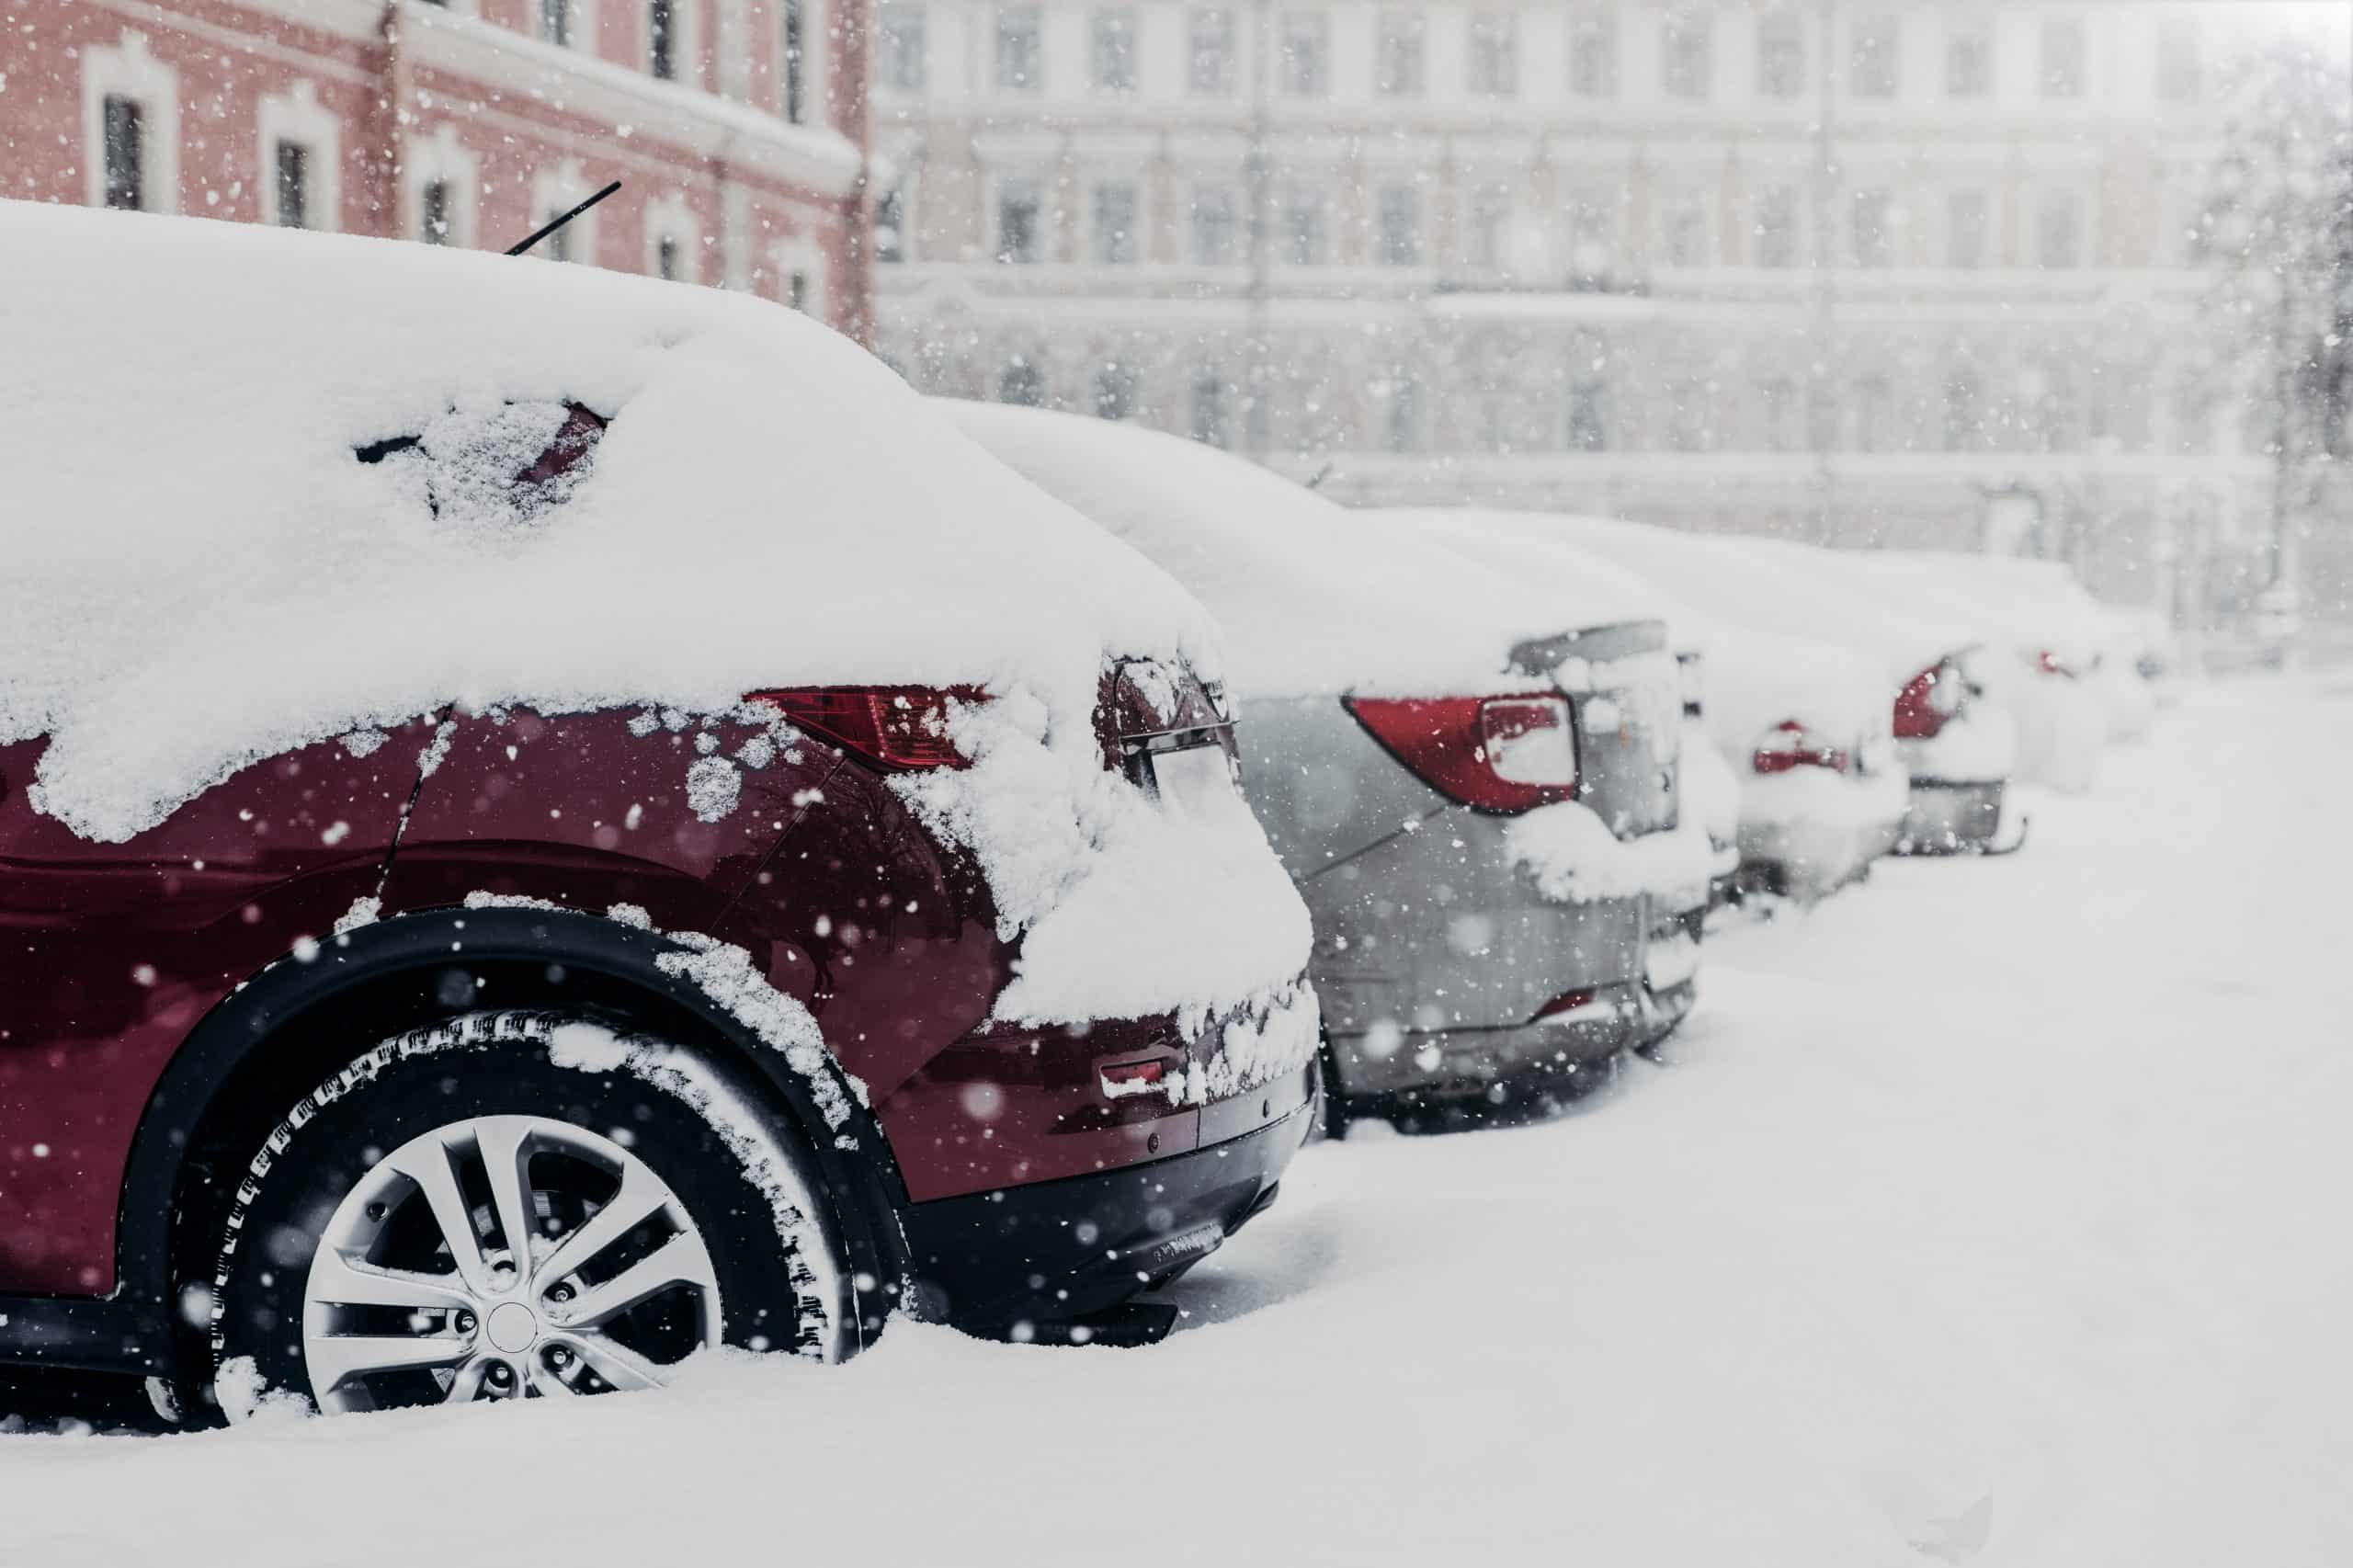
(554, 822)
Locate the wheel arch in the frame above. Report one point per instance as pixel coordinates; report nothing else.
(306, 1015)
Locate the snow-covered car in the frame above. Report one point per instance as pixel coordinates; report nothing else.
(1474, 779)
(552, 821)
(2038, 641)
(1951, 753)
(1797, 724)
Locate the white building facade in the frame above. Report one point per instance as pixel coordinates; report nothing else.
(1862, 271)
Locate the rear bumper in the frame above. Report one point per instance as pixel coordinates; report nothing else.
(1807, 860)
(1440, 1065)
(1950, 818)
(1068, 1248)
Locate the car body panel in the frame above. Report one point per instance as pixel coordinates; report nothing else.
(114, 951)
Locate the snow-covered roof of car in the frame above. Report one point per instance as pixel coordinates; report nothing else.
(1315, 599)
(1783, 587)
(2032, 605)
(1753, 679)
(261, 490)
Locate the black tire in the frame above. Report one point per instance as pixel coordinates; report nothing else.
(740, 1175)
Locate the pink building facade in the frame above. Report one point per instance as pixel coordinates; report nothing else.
(738, 128)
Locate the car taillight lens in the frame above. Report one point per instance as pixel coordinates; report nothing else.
(1789, 745)
(1497, 754)
(2049, 664)
(896, 726)
(1929, 698)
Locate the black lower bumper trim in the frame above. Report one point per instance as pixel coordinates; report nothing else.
(1066, 1250)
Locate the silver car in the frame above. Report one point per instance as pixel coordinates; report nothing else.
(1483, 819)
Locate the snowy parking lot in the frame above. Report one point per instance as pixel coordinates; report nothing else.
(1985, 1213)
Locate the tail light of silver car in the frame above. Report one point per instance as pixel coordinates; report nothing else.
(903, 727)
(1789, 745)
(1494, 753)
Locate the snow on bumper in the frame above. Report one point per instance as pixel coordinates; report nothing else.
(1576, 859)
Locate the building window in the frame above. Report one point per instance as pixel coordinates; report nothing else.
(1302, 228)
(1115, 224)
(1398, 72)
(796, 290)
(1404, 415)
(1021, 385)
(1964, 421)
(661, 40)
(1777, 413)
(1306, 55)
(1968, 221)
(1777, 228)
(1115, 392)
(1878, 46)
(1874, 212)
(1018, 61)
(1780, 55)
(126, 155)
(1112, 51)
(1212, 422)
(793, 50)
(665, 259)
(433, 212)
(2179, 75)
(890, 228)
(1588, 422)
(1874, 405)
(1216, 225)
(1490, 227)
(2058, 230)
(555, 22)
(1020, 226)
(1968, 58)
(901, 65)
(1684, 57)
(1401, 226)
(1208, 67)
(2062, 57)
(558, 245)
(1593, 55)
(1687, 237)
(1494, 54)
(293, 174)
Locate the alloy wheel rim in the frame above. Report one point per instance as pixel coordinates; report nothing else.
(505, 1257)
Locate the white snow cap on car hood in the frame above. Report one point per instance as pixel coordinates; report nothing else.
(2032, 607)
(1315, 599)
(1752, 679)
(200, 573)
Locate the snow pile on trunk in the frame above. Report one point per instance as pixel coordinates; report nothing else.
(1575, 859)
(203, 570)
(1123, 904)
(1314, 599)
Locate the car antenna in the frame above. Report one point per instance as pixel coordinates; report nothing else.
(552, 225)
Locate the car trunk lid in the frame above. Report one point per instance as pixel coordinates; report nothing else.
(1627, 695)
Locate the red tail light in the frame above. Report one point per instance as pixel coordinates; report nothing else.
(1498, 753)
(1930, 697)
(896, 726)
(1789, 745)
(2049, 664)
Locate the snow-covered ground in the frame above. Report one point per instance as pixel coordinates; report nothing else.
(1989, 1213)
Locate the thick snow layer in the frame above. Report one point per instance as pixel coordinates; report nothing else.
(1314, 599)
(1575, 859)
(1916, 1289)
(201, 570)
(1943, 1237)
(1125, 904)
(1789, 589)
(1710, 797)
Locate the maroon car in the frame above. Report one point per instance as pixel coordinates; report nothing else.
(507, 1051)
